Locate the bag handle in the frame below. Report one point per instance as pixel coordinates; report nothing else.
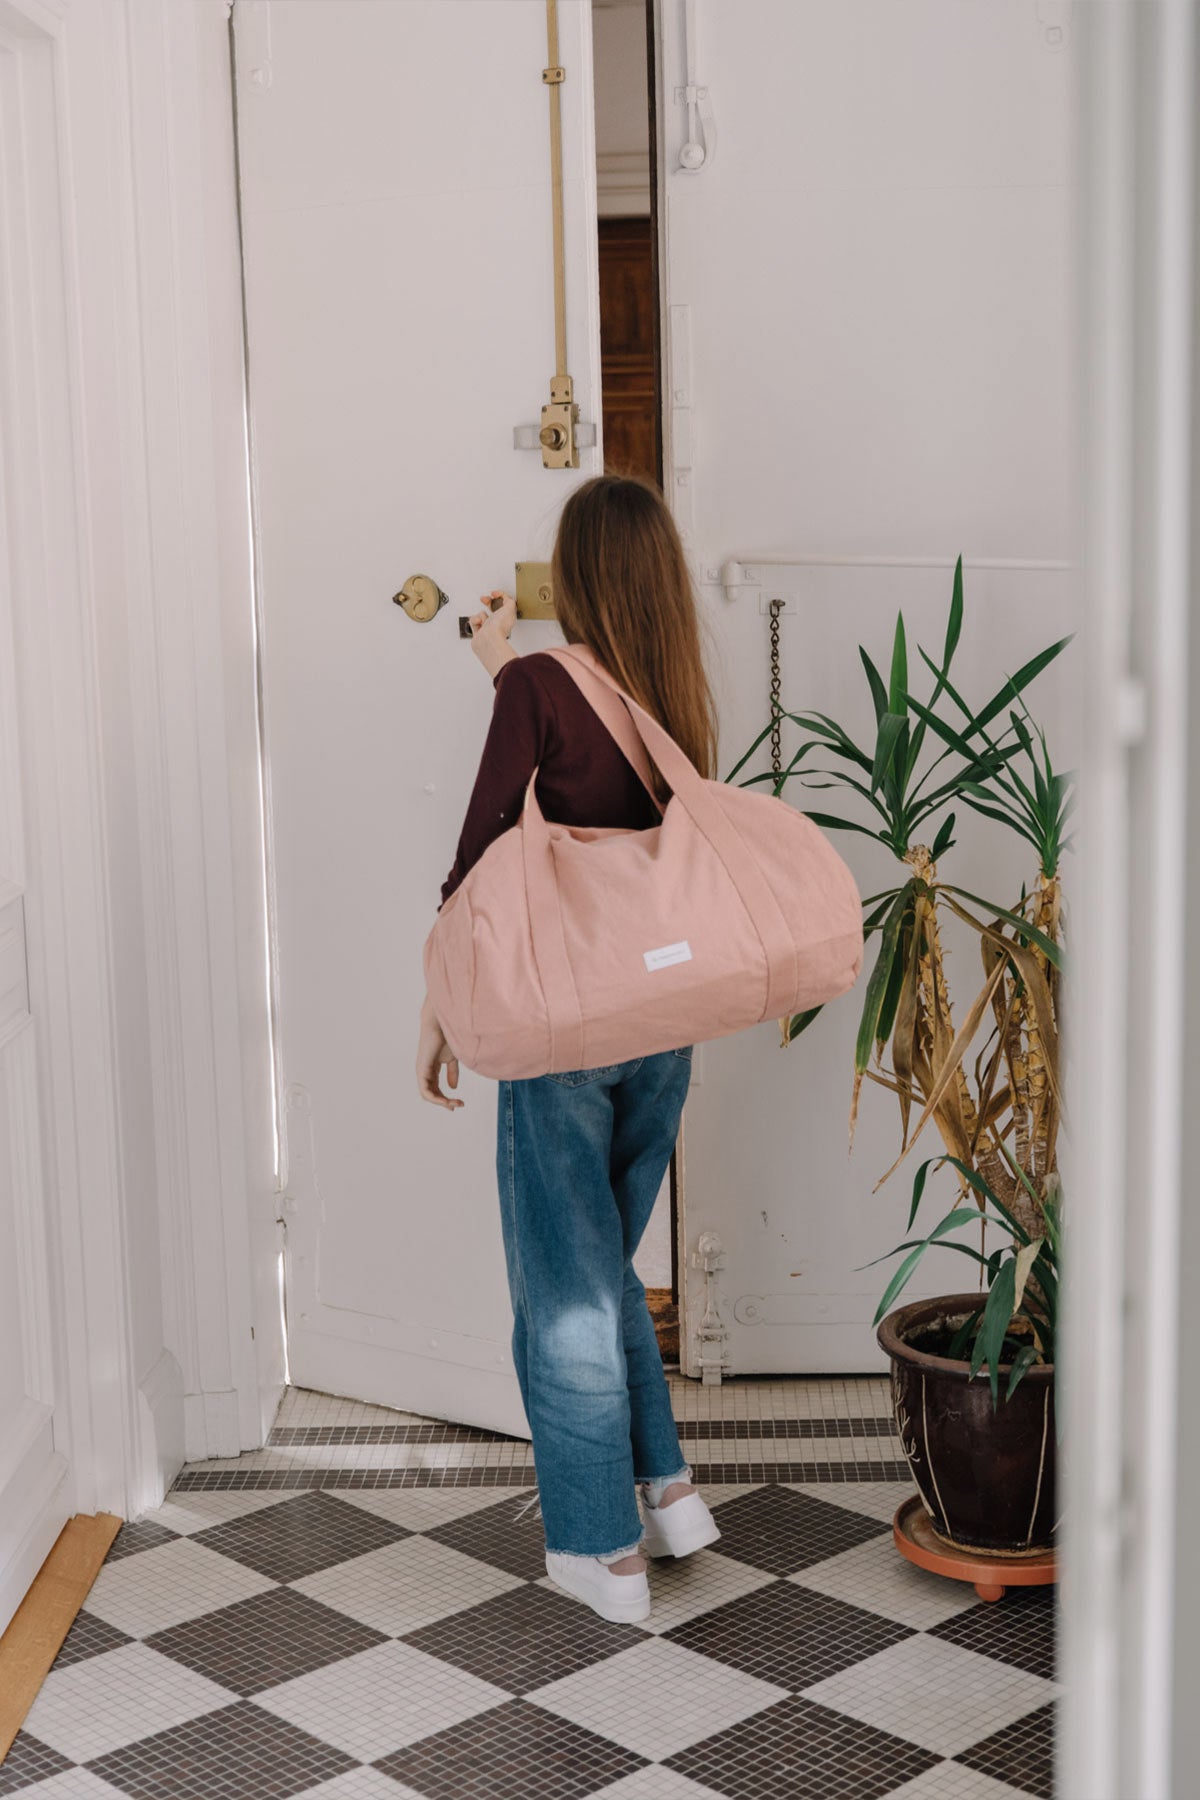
(608, 703)
(601, 690)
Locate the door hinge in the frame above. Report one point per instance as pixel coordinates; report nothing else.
(712, 1336)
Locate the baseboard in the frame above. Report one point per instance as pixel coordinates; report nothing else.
(161, 1431)
(36, 1631)
(35, 1500)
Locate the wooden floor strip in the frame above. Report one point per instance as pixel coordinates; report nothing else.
(36, 1630)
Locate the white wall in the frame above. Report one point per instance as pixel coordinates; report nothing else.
(873, 275)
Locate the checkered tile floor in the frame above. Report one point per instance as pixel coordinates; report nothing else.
(399, 1640)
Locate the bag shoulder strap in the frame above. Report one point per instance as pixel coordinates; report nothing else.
(706, 808)
(605, 699)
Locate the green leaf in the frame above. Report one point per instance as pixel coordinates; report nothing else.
(898, 691)
(919, 1181)
(944, 838)
(975, 1180)
(959, 1341)
(1023, 1360)
(873, 919)
(892, 727)
(1018, 682)
(802, 1021)
(878, 982)
(997, 1317)
(875, 681)
(954, 624)
(742, 761)
(953, 1220)
(1026, 932)
(827, 822)
(891, 998)
(837, 737)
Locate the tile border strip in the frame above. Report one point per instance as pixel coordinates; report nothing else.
(195, 1479)
(438, 1431)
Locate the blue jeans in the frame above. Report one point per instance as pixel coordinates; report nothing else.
(580, 1158)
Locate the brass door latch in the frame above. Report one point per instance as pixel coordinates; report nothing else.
(421, 598)
(559, 420)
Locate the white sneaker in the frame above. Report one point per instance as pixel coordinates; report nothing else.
(680, 1528)
(621, 1598)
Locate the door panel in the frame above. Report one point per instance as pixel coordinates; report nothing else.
(35, 1489)
(869, 338)
(394, 165)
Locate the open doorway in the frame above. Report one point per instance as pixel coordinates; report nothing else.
(627, 221)
(627, 224)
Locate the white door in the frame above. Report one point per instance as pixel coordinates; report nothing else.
(35, 1494)
(396, 203)
(868, 339)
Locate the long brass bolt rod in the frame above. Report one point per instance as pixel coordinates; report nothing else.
(554, 76)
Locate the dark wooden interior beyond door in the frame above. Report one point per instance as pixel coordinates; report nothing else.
(627, 328)
(629, 382)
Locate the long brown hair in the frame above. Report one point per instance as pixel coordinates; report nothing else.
(622, 587)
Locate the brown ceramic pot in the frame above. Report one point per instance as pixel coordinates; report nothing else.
(986, 1476)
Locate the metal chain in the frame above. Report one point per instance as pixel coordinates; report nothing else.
(776, 752)
(785, 1024)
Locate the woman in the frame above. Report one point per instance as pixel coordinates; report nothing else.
(581, 1155)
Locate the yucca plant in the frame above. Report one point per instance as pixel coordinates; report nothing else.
(994, 1094)
(1016, 1322)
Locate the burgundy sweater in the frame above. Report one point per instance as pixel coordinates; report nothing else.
(541, 720)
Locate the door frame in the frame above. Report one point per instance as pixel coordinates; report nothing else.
(78, 1341)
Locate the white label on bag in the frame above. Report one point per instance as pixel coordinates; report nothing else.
(667, 954)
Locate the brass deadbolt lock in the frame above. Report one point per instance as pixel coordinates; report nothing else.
(534, 593)
(421, 598)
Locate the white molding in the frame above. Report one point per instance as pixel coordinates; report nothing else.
(35, 1503)
(161, 1420)
(19, 1070)
(192, 699)
(623, 183)
(1126, 1582)
(68, 923)
(137, 686)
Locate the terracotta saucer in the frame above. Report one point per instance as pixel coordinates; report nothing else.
(988, 1574)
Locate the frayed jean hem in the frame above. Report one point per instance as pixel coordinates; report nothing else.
(604, 1556)
(657, 1485)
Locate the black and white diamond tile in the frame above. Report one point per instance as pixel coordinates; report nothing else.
(403, 1642)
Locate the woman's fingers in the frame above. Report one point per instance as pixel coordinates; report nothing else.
(432, 1052)
(427, 1084)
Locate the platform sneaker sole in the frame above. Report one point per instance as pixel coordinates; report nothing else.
(694, 1530)
(586, 1582)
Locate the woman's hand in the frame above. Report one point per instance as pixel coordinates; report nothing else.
(490, 629)
(432, 1052)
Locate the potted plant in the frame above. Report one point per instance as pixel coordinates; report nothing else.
(973, 1372)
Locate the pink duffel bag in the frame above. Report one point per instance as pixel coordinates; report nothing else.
(576, 947)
